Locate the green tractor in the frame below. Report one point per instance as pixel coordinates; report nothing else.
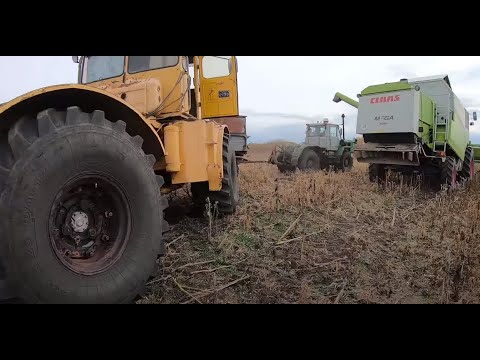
(324, 148)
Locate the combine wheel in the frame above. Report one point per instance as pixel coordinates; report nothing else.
(449, 173)
(468, 169)
(376, 172)
(85, 216)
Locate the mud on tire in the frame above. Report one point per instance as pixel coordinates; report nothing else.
(227, 198)
(59, 172)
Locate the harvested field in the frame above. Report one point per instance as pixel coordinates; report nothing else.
(325, 238)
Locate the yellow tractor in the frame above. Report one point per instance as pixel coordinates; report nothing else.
(84, 169)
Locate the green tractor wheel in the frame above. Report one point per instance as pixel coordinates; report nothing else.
(346, 162)
(309, 160)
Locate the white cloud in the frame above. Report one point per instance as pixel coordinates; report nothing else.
(21, 74)
(302, 86)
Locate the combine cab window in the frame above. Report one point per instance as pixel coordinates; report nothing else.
(216, 66)
(96, 68)
(144, 63)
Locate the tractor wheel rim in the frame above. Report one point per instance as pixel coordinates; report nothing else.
(90, 224)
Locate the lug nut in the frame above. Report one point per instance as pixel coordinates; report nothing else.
(106, 238)
(108, 214)
(92, 233)
(67, 230)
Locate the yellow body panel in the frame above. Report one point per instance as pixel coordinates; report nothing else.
(172, 87)
(194, 152)
(64, 87)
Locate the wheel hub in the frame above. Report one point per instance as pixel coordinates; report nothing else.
(89, 224)
(79, 221)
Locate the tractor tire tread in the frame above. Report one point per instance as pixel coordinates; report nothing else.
(23, 135)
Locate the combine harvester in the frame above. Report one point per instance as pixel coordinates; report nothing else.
(415, 126)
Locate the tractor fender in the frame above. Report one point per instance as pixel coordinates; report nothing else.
(342, 149)
(88, 99)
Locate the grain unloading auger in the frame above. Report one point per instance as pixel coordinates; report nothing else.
(414, 125)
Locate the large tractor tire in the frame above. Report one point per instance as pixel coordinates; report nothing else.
(346, 162)
(468, 169)
(309, 160)
(82, 218)
(227, 198)
(448, 172)
(376, 172)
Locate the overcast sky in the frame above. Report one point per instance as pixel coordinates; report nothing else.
(280, 94)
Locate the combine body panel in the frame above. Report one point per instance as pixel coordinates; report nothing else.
(451, 116)
(90, 164)
(414, 125)
(395, 112)
(476, 151)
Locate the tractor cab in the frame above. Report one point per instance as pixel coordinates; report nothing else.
(167, 86)
(324, 134)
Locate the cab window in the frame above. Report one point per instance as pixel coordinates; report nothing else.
(97, 68)
(145, 63)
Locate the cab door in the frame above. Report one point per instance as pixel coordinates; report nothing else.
(334, 138)
(218, 86)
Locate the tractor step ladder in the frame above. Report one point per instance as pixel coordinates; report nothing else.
(441, 144)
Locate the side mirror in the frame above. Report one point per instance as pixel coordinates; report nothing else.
(75, 59)
(475, 116)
